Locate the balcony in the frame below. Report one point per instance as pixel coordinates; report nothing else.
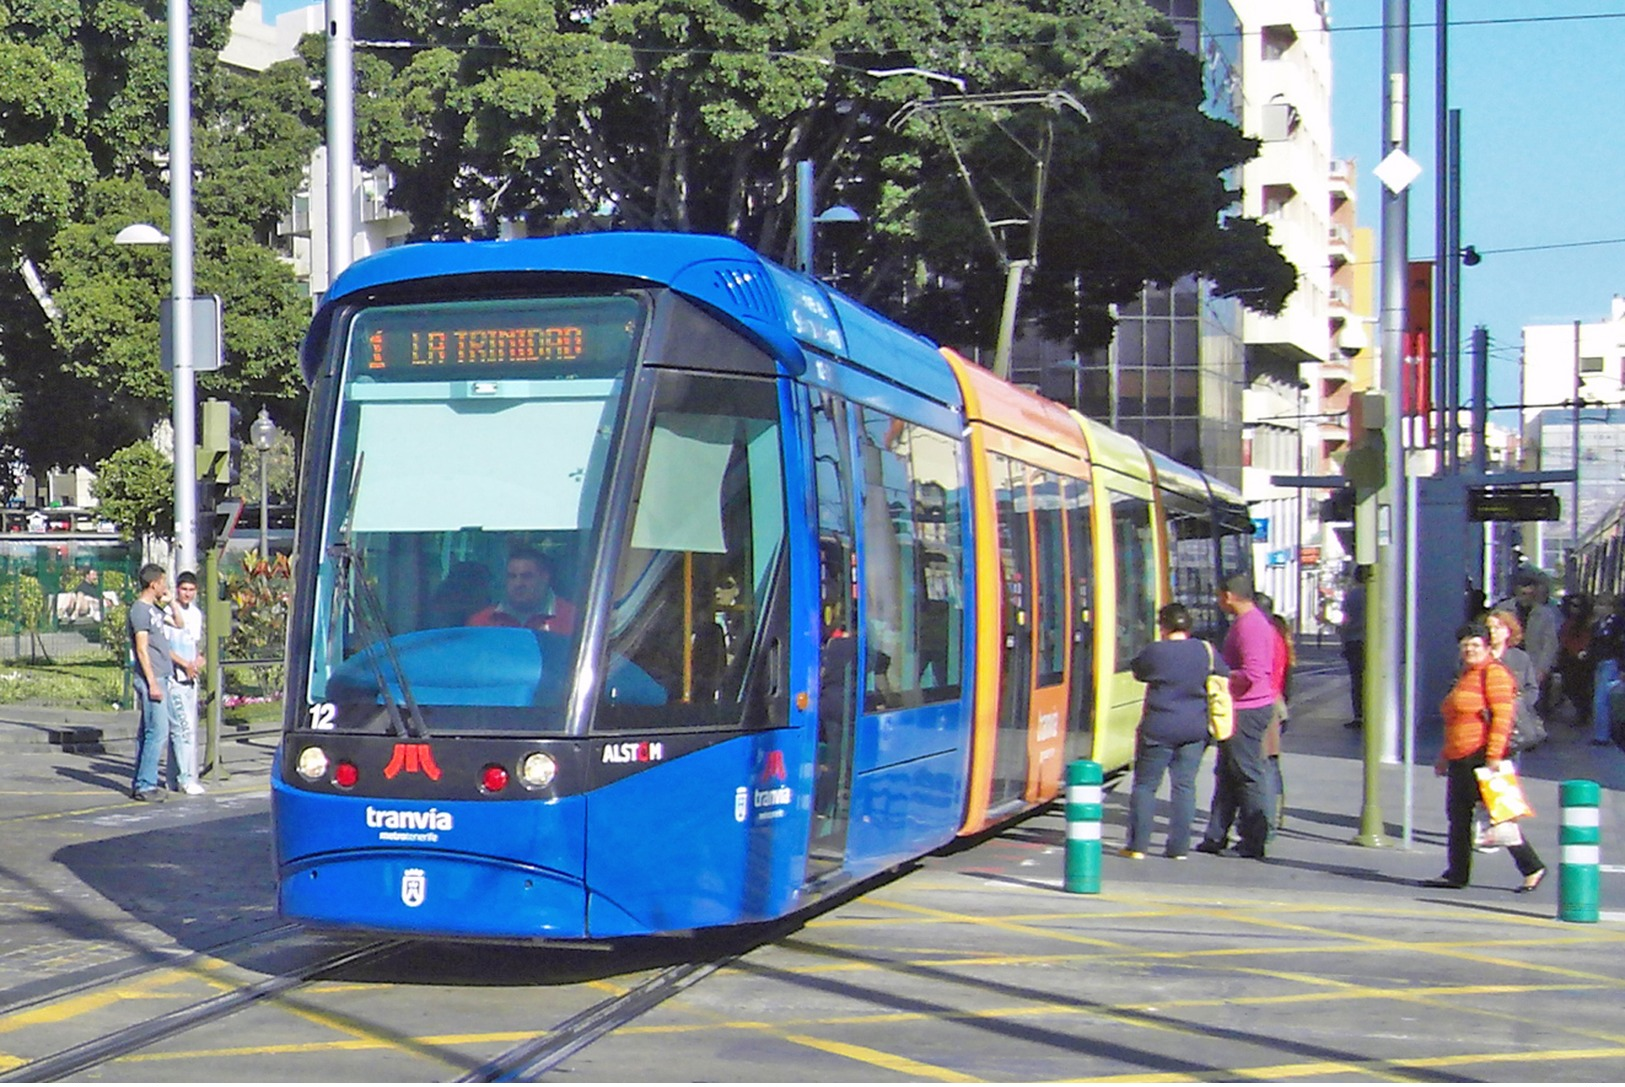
(296, 223)
(1341, 179)
(1339, 245)
(375, 187)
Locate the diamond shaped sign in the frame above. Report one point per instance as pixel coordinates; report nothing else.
(1397, 171)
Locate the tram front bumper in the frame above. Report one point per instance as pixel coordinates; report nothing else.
(433, 894)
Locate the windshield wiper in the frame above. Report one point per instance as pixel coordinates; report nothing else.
(369, 615)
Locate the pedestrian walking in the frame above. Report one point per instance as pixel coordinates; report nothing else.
(1239, 788)
(1478, 715)
(1352, 633)
(1173, 731)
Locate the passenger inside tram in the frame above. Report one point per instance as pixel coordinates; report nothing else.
(528, 598)
(466, 590)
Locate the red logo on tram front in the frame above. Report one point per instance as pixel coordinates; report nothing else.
(414, 759)
(773, 767)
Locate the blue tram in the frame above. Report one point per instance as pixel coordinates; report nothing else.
(643, 585)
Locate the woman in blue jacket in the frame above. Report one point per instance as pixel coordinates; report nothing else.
(1173, 730)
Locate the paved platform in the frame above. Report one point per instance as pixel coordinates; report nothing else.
(1325, 961)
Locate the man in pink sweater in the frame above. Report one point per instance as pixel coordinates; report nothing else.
(1239, 778)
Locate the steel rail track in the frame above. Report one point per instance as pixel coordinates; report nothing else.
(138, 1036)
(132, 966)
(529, 1059)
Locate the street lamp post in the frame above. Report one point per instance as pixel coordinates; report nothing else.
(180, 263)
(262, 432)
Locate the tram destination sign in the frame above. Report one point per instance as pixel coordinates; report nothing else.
(1513, 504)
(495, 336)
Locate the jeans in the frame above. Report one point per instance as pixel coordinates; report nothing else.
(182, 733)
(154, 735)
(1240, 785)
(1151, 761)
(1461, 797)
(1601, 712)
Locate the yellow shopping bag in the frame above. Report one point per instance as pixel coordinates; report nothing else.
(1502, 794)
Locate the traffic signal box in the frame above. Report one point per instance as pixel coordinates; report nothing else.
(1365, 468)
(220, 452)
(219, 455)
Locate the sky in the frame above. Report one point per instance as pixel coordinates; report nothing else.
(1541, 89)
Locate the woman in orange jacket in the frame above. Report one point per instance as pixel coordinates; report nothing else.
(1477, 720)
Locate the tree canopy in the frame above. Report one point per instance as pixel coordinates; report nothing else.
(600, 114)
(691, 115)
(83, 153)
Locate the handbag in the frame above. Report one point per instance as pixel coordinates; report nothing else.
(1503, 795)
(1221, 711)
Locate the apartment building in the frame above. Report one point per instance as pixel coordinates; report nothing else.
(1289, 425)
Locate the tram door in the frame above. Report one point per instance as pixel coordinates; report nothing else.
(837, 689)
(1012, 506)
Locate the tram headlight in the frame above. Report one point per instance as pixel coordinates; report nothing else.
(345, 774)
(312, 764)
(537, 770)
(493, 779)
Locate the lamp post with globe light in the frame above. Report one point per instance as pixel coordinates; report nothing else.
(184, 397)
(263, 432)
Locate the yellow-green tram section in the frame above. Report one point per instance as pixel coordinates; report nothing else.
(1130, 584)
(1032, 504)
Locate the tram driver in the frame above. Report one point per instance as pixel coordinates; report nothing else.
(528, 598)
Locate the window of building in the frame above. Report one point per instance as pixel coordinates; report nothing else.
(1277, 40)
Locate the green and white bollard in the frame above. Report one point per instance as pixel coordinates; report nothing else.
(1083, 812)
(1579, 875)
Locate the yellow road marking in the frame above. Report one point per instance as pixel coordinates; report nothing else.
(63, 1010)
(889, 1061)
(1347, 1069)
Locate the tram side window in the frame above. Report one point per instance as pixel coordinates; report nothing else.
(1193, 562)
(1051, 589)
(703, 559)
(912, 562)
(1136, 576)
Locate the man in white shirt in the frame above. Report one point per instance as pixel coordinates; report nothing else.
(185, 622)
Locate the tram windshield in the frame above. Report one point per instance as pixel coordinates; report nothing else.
(470, 449)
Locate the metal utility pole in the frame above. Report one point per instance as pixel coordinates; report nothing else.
(340, 138)
(1016, 269)
(1386, 677)
(1481, 405)
(1571, 573)
(1445, 267)
(184, 409)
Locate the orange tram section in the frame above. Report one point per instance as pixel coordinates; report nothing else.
(1081, 536)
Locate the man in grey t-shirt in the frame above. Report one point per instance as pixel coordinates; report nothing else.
(153, 668)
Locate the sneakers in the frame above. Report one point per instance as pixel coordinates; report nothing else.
(1177, 856)
(1131, 854)
(192, 788)
(1206, 846)
(153, 795)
